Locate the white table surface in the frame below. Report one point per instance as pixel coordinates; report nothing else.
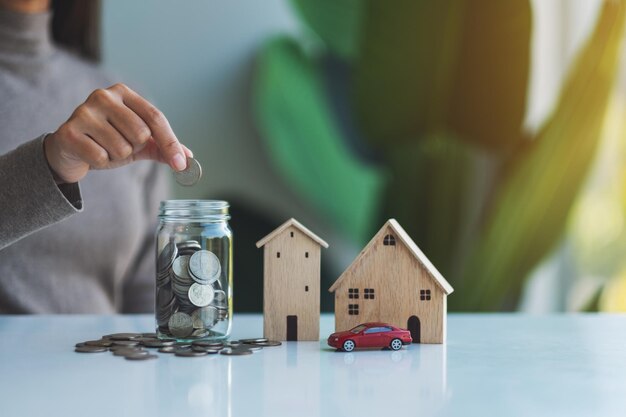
(492, 365)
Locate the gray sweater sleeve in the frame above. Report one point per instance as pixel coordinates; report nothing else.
(139, 284)
(30, 199)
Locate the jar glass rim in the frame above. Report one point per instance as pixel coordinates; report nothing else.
(215, 210)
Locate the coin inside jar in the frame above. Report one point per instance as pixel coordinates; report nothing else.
(190, 175)
(167, 256)
(199, 275)
(201, 295)
(181, 267)
(205, 317)
(180, 324)
(204, 267)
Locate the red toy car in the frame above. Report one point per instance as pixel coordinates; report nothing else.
(369, 335)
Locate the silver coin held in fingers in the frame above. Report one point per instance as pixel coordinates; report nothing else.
(190, 175)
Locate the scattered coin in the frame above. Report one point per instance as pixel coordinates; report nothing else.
(190, 175)
(128, 351)
(140, 357)
(122, 336)
(143, 340)
(119, 347)
(253, 341)
(90, 349)
(235, 352)
(101, 343)
(158, 343)
(209, 350)
(269, 343)
(167, 349)
(189, 353)
(125, 343)
(131, 345)
(253, 348)
(207, 343)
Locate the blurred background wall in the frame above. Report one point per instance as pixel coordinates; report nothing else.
(203, 62)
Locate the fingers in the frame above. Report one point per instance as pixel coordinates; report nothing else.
(103, 133)
(112, 141)
(188, 151)
(113, 127)
(135, 131)
(131, 126)
(170, 148)
(151, 151)
(85, 148)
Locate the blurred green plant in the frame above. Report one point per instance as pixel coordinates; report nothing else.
(436, 91)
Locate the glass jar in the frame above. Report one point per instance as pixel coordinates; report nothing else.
(194, 274)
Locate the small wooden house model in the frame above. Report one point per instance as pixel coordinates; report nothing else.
(392, 281)
(291, 282)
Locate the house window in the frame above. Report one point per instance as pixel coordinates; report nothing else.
(278, 254)
(353, 309)
(425, 295)
(306, 288)
(291, 234)
(389, 241)
(306, 254)
(353, 293)
(369, 293)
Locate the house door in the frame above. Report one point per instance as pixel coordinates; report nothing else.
(413, 325)
(292, 328)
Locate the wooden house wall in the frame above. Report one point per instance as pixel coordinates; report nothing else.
(397, 278)
(284, 284)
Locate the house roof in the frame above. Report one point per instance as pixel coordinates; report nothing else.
(415, 251)
(291, 222)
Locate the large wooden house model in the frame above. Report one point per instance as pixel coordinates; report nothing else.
(392, 281)
(291, 282)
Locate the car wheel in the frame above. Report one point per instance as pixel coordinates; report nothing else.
(396, 344)
(348, 345)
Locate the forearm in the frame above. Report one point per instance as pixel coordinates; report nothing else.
(30, 199)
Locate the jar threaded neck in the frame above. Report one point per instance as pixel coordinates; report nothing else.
(206, 210)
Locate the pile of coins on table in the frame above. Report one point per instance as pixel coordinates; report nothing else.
(189, 299)
(134, 346)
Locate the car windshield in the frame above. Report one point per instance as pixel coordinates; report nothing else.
(358, 329)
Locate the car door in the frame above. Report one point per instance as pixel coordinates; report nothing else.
(371, 337)
(386, 335)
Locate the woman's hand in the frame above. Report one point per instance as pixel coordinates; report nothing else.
(112, 128)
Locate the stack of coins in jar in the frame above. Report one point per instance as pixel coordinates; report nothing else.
(194, 270)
